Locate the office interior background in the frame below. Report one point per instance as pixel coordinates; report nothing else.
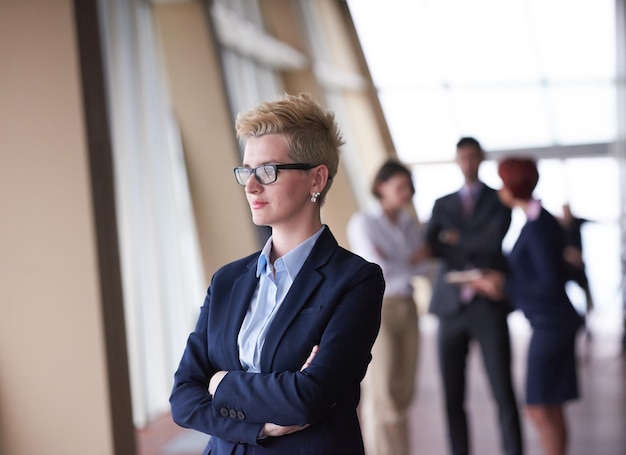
(117, 144)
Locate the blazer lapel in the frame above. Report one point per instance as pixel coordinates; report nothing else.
(307, 281)
(457, 209)
(240, 297)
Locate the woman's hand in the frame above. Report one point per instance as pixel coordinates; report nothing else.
(490, 284)
(420, 255)
(271, 429)
(310, 358)
(217, 377)
(215, 381)
(380, 252)
(574, 257)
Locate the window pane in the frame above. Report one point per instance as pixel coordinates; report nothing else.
(584, 114)
(397, 41)
(421, 124)
(513, 73)
(484, 41)
(575, 38)
(504, 118)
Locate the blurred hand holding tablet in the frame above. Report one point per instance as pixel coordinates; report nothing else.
(463, 276)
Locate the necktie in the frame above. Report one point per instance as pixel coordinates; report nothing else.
(467, 292)
(468, 203)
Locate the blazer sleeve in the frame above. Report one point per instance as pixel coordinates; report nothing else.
(304, 397)
(434, 228)
(190, 400)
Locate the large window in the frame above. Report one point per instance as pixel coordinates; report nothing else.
(516, 74)
(513, 73)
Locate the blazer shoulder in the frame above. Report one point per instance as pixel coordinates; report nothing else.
(546, 224)
(447, 198)
(491, 193)
(337, 261)
(344, 260)
(239, 266)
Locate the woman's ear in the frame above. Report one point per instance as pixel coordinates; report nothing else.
(320, 178)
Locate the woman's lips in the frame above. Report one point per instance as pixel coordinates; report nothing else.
(257, 204)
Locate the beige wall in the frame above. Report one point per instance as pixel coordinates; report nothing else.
(60, 374)
(53, 391)
(199, 100)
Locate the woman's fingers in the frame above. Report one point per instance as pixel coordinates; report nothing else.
(310, 358)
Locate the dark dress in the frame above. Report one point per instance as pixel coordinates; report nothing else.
(537, 285)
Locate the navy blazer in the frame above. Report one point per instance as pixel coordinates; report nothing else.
(537, 275)
(479, 245)
(334, 302)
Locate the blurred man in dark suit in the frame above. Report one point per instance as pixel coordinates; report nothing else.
(465, 232)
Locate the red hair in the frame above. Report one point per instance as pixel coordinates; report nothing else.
(519, 175)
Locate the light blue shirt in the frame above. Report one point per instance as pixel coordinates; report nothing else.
(274, 284)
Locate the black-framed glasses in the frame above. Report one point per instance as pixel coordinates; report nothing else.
(267, 173)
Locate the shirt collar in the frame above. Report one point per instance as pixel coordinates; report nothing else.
(533, 210)
(293, 260)
(263, 260)
(472, 189)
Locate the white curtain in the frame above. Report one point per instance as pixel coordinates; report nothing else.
(162, 272)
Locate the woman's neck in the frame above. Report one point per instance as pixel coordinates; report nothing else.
(391, 212)
(286, 239)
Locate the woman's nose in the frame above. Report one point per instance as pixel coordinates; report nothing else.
(252, 185)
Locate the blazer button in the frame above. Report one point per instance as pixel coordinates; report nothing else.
(241, 415)
(232, 413)
(224, 412)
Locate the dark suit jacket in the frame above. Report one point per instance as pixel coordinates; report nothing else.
(479, 245)
(537, 274)
(334, 302)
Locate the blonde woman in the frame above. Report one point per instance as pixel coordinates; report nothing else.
(284, 336)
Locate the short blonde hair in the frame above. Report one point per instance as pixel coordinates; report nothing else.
(311, 131)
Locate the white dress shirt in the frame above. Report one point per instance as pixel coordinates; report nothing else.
(373, 236)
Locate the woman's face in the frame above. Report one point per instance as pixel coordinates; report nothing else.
(395, 192)
(287, 201)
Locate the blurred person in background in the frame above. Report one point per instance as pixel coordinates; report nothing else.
(465, 233)
(391, 236)
(536, 284)
(573, 254)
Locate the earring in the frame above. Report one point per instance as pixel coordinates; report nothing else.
(314, 197)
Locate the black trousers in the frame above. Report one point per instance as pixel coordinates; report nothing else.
(486, 323)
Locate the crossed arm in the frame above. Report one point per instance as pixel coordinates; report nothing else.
(269, 429)
(345, 326)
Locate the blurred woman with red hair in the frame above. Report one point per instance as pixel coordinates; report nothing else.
(536, 285)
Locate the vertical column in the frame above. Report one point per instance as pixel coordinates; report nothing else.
(103, 200)
(620, 143)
